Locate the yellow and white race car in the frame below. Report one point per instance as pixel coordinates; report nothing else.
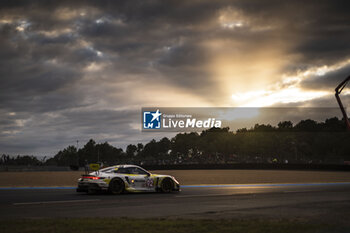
(126, 178)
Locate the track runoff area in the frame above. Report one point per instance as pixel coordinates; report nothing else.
(319, 201)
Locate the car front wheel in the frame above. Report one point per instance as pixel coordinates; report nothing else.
(166, 185)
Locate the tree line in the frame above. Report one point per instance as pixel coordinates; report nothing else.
(307, 141)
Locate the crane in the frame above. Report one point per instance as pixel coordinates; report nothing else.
(338, 90)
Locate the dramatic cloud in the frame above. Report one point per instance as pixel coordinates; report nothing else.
(74, 70)
(329, 79)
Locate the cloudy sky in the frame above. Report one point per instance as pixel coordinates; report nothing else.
(74, 70)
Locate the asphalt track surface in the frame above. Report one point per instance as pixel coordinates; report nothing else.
(326, 202)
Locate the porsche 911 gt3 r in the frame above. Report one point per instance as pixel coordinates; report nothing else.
(126, 178)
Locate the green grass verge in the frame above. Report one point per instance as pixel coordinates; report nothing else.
(128, 225)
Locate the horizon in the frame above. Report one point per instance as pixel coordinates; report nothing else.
(234, 131)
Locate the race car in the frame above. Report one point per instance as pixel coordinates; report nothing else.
(126, 178)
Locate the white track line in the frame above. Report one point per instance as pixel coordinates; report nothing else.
(54, 202)
(302, 191)
(204, 195)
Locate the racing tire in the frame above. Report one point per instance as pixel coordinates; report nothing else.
(167, 185)
(116, 186)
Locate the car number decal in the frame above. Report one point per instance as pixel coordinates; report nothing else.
(149, 183)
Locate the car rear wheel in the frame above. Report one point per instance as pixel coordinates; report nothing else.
(166, 185)
(116, 186)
